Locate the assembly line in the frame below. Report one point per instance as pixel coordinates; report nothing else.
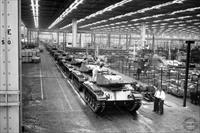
(67, 108)
(99, 66)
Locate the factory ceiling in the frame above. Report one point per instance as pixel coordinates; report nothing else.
(159, 16)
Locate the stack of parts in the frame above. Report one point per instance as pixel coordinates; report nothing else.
(30, 55)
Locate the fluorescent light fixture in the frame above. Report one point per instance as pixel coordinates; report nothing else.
(181, 24)
(184, 17)
(169, 19)
(186, 10)
(93, 23)
(163, 24)
(98, 13)
(73, 6)
(125, 15)
(156, 21)
(171, 25)
(122, 22)
(197, 23)
(154, 16)
(35, 11)
(178, 22)
(178, 1)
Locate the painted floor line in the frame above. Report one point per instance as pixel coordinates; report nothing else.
(41, 85)
(66, 99)
(61, 71)
(83, 102)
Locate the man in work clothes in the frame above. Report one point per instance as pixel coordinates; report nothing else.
(156, 100)
(161, 101)
(95, 71)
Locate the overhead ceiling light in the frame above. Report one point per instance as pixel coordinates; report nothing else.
(182, 24)
(178, 22)
(73, 6)
(169, 19)
(128, 14)
(93, 23)
(178, 1)
(156, 21)
(184, 17)
(185, 10)
(35, 11)
(163, 24)
(171, 25)
(197, 23)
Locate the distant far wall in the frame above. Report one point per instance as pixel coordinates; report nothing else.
(118, 41)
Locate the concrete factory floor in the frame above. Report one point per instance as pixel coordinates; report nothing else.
(62, 110)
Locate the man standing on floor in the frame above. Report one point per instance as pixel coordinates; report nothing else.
(161, 101)
(156, 100)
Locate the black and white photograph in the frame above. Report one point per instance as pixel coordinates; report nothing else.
(99, 66)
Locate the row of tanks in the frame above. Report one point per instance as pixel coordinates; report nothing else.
(110, 88)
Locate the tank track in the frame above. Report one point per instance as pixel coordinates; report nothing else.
(134, 106)
(95, 105)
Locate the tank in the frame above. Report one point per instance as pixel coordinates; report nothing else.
(57, 54)
(77, 61)
(109, 89)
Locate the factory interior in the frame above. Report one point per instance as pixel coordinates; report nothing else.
(100, 66)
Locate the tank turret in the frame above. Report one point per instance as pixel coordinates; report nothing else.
(106, 78)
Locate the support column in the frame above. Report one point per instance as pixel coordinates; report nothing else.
(94, 35)
(80, 41)
(57, 39)
(108, 41)
(91, 39)
(10, 80)
(129, 43)
(119, 41)
(52, 38)
(30, 37)
(153, 43)
(64, 40)
(96, 47)
(126, 41)
(38, 38)
(143, 33)
(34, 37)
(169, 47)
(27, 37)
(134, 49)
(74, 33)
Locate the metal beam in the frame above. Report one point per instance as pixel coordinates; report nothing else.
(10, 66)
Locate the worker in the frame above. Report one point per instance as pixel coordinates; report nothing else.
(95, 71)
(139, 70)
(161, 101)
(85, 61)
(156, 100)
